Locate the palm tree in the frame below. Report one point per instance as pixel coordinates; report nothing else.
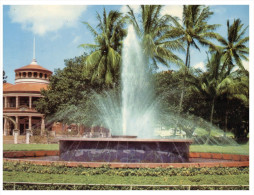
(234, 86)
(234, 46)
(103, 63)
(216, 83)
(194, 30)
(152, 28)
(209, 83)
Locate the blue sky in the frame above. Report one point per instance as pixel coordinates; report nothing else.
(59, 30)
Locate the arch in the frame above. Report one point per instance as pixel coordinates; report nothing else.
(10, 119)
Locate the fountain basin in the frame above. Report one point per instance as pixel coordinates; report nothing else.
(125, 150)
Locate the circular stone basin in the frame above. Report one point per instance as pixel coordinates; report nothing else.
(125, 150)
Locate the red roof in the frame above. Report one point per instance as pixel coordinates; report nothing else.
(25, 87)
(6, 85)
(33, 67)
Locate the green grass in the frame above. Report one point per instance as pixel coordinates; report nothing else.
(29, 147)
(240, 149)
(214, 132)
(138, 180)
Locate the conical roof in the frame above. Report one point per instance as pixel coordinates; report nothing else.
(33, 66)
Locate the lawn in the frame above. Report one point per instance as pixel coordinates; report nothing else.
(227, 149)
(240, 149)
(24, 172)
(138, 180)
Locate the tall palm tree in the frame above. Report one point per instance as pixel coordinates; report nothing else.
(209, 83)
(193, 31)
(103, 63)
(216, 83)
(152, 28)
(234, 46)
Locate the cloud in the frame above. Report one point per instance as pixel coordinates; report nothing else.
(200, 65)
(41, 19)
(76, 40)
(218, 9)
(124, 9)
(246, 64)
(173, 10)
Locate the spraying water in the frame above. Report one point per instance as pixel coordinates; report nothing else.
(138, 109)
(132, 110)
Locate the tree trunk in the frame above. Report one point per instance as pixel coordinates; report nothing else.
(211, 121)
(226, 119)
(184, 77)
(226, 123)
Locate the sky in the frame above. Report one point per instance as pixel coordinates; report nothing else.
(58, 31)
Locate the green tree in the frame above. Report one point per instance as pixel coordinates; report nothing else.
(104, 60)
(66, 87)
(234, 87)
(157, 44)
(193, 31)
(234, 46)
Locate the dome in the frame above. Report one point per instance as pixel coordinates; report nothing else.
(32, 73)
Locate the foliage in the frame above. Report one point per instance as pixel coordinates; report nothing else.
(4, 77)
(103, 63)
(234, 46)
(153, 30)
(69, 94)
(193, 31)
(66, 87)
(111, 178)
(154, 172)
(37, 186)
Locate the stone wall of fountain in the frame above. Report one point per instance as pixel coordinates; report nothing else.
(125, 150)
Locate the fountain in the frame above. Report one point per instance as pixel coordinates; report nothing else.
(135, 116)
(131, 118)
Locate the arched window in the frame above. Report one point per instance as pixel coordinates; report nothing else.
(35, 74)
(24, 74)
(41, 75)
(20, 75)
(46, 76)
(29, 74)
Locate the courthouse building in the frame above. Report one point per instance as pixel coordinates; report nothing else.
(18, 99)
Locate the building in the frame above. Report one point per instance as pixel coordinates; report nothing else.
(18, 99)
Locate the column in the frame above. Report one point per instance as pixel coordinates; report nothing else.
(17, 122)
(28, 133)
(5, 102)
(5, 127)
(30, 122)
(15, 134)
(42, 125)
(30, 102)
(17, 102)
